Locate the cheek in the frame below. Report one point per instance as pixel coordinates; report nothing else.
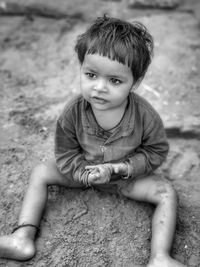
(84, 80)
(122, 92)
(85, 86)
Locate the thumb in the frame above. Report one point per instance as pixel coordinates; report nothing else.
(116, 169)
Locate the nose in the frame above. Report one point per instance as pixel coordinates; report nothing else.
(101, 86)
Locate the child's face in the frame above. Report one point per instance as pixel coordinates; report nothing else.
(105, 83)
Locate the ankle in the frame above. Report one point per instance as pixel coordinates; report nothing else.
(26, 231)
(159, 255)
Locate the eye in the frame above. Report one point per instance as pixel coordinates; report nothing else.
(90, 75)
(115, 81)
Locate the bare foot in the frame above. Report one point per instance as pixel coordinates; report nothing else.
(164, 261)
(16, 247)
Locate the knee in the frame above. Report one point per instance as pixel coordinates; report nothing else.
(165, 192)
(40, 175)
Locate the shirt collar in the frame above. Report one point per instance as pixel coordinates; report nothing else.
(125, 128)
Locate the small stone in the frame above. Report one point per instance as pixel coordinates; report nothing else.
(90, 232)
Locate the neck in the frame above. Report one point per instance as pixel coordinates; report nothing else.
(108, 119)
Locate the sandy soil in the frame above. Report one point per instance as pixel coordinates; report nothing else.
(38, 74)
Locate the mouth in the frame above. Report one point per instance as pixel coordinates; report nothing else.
(98, 100)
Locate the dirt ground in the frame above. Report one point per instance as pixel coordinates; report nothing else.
(38, 74)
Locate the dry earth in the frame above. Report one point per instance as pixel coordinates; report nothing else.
(38, 74)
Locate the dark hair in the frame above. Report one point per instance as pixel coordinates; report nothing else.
(128, 43)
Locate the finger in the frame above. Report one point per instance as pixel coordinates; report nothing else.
(93, 176)
(90, 167)
(101, 170)
(116, 169)
(93, 171)
(94, 180)
(98, 169)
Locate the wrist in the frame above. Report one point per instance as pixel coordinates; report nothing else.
(127, 171)
(109, 168)
(84, 178)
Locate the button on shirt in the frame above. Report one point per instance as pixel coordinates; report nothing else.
(139, 138)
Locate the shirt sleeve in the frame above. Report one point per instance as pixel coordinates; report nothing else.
(69, 156)
(152, 151)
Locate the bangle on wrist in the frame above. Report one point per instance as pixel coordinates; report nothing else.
(83, 178)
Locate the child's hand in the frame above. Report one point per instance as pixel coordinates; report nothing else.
(120, 168)
(99, 174)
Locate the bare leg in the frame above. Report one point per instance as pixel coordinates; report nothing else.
(159, 192)
(20, 245)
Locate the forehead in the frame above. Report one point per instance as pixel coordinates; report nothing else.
(105, 65)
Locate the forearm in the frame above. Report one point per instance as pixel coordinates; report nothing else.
(73, 168)
(145, 162)
(125, 170)
(140, 164)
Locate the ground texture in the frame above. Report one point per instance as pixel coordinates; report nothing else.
(38, 74)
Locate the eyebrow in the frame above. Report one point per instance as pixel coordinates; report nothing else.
(89, 69)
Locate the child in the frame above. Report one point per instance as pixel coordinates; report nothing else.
(108, 138)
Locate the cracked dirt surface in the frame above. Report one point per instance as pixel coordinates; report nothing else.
(38, 74)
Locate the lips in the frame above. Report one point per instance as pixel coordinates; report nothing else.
(98, 100)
